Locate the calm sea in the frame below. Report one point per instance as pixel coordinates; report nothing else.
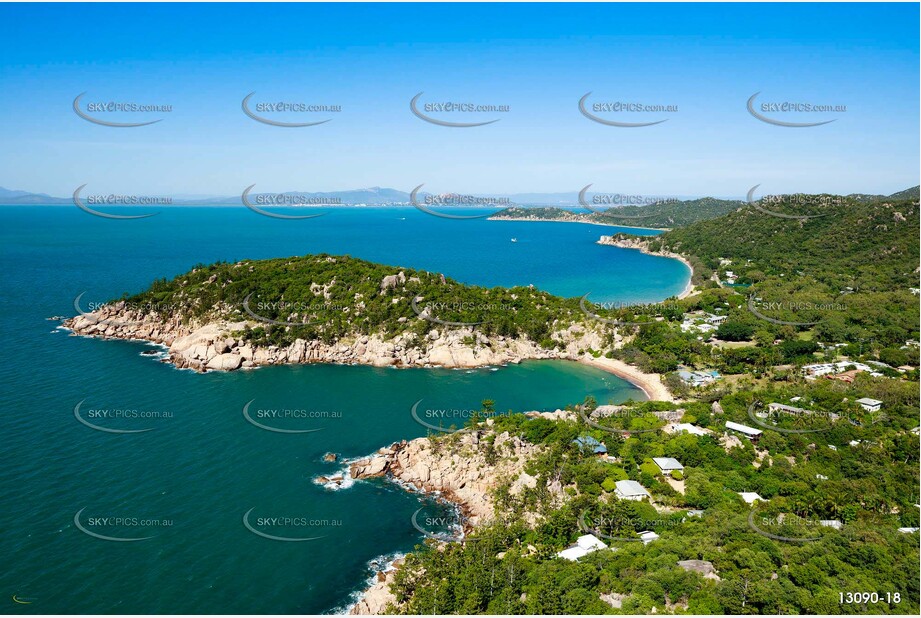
(186, 484)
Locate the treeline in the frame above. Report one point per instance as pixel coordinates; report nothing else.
(330, 297)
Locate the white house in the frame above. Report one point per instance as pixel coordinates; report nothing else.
(585, 545)
(691, 429)
(668, 464)
(750, 497)
(870, 405)
(749, 432)
(831, 523)
(648, 537)
(630, 490)
(779, 407)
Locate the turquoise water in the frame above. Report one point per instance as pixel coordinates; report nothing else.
(189, 480)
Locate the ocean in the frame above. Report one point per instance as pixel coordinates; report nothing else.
(200, 484)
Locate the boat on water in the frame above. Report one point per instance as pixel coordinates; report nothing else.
(514, 240)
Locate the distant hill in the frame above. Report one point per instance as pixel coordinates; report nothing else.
(668, 214)
(907, 194)
(370, 196)
(12, 196)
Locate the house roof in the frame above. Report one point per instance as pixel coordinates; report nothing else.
(751, 431)
(870, 402)
(631, 488)
(668, 463)
(750, 496)
(573, 553)
(585, 545)
(691, 429)
(592, 443)
(590, 542)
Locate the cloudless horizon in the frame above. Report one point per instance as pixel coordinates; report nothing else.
(538, 59)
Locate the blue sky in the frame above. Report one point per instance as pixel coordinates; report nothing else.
(539, 59)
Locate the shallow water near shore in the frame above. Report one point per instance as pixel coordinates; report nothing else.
(197, 465)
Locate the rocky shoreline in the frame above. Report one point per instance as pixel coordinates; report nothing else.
(456, 469)
(219, 346)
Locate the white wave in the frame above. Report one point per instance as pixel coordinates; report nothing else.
(380, 564)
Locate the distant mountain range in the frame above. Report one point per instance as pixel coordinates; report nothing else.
(379, 196)
(376, 196)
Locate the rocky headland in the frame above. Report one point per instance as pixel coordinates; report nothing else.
(464, 468)
(218, 345)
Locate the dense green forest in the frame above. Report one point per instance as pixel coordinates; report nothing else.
(849, 275)
(326, 297)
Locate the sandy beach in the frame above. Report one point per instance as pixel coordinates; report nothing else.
(650, 383)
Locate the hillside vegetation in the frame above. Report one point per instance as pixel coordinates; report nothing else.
(666, 214)
(341, 296)
(848, 271)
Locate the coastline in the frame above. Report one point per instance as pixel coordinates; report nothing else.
(210, 349)
(641, 245)
(650, 383)
(539, 220)
(463, 472)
